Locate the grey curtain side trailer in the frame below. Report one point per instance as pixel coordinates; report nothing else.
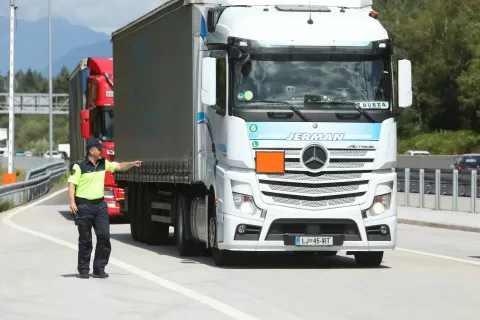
(156, 100)
(155, 92)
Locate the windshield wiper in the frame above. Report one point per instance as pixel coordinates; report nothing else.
(349, 103)
(289, 105)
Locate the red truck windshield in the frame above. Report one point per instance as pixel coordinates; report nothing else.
(103, 123)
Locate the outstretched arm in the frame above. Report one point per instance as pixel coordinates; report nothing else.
(123, 166)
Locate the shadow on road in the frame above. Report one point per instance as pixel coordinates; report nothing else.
(113, 220)
(264, 260)
(76, 275)
(71, 275)
(67, 215)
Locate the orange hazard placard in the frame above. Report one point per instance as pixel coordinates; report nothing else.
(270, 162)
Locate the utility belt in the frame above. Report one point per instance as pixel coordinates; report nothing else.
(79, 200)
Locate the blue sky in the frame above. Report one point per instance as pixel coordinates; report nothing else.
(99, 15)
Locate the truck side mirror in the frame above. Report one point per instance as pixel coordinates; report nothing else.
(85, 127)
(404, 83)
(209, 81)
(85, 115)
(85, 124)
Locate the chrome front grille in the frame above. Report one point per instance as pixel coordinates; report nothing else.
(333, 153)
(333, 165)
(342, 182)
(313, 190)
(314, 204)
(346, 165)
(312, 178)
(348, 153)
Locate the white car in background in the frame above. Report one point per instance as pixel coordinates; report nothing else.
(417, 153)
(55, 154)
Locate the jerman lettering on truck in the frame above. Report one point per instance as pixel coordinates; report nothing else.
(86, 194)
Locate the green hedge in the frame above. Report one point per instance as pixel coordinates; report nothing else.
(445, 143)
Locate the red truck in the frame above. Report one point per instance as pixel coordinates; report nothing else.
(91, 115)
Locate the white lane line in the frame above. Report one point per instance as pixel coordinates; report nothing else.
(212, 303)
(440, 256)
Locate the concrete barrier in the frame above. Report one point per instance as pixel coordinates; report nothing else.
(424, 162)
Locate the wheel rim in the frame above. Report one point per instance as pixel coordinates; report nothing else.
(212, 233)
(180, 222)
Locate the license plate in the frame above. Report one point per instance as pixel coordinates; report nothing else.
(314, 241)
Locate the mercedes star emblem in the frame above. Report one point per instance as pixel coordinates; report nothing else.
(314, 157)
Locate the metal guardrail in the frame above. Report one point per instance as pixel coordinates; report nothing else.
(438, 182)
(25, 163)
(38, 182)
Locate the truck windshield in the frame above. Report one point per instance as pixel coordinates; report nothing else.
(313, 84)
(103, 123)
(3, 143)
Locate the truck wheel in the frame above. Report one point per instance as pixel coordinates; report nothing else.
(185, 246)
(132, 196)
(369, 258)
(139, 205)
(220, 257)
(155, 233)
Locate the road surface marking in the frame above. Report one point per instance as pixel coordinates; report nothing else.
(440, 256)
(210, 302)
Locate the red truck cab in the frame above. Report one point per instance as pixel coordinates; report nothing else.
(97, 120)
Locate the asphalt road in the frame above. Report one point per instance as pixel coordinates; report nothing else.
(434, 274)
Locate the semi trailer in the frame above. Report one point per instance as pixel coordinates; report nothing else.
(91, 115)
(264, 125)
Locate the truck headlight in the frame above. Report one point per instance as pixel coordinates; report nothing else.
(245, 204)
(381, 205)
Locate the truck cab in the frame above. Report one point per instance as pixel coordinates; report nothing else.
(284, 122)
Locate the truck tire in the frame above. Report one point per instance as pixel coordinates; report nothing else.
(220, 257)
(132, 205)
(369, 258)
(186, 247)
(155, 233)
(139, 212)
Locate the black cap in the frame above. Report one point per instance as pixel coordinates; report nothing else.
(95, 143)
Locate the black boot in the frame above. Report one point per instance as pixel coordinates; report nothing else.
(100, 274)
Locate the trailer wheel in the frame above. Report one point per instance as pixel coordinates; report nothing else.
(155, 233)
(185, 246)
(369, 258)
(132, 212)
(139, 213)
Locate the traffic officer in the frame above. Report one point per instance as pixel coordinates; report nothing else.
(86, 183)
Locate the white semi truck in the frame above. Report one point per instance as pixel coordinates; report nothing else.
(263, 125)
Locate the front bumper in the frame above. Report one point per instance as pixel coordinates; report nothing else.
(350, 230)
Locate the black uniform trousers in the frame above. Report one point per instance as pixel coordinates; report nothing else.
(95, 215)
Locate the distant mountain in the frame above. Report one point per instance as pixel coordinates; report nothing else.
(102, 49)
(70, 43)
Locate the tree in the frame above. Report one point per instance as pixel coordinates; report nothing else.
(60, 84)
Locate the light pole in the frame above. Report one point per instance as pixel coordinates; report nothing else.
(50, 74)
(11, 177)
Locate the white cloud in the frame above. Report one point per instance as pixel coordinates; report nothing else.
(99, 15)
